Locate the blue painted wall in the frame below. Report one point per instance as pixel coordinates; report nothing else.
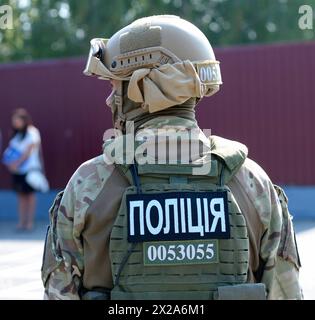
(8, 205)
(301, 203)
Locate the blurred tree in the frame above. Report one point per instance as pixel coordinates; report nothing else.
(62, 28)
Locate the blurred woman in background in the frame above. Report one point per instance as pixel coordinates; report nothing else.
(25, 146)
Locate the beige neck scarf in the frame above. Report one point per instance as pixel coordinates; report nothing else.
(169, 85)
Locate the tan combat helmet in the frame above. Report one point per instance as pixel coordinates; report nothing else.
(165, 59)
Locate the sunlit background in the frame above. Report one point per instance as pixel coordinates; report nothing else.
(54, 29)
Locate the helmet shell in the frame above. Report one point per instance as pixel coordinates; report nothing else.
(180, 38)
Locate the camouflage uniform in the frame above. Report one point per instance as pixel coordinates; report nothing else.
(77, 247)
(155, 64)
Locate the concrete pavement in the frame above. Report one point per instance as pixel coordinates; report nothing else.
(20, 262)
(21, 257)
(305, 237)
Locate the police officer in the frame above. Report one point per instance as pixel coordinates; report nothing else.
(146, 221)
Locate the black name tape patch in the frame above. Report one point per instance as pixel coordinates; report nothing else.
(178, 216)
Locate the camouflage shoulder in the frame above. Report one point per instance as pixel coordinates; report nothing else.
(83, 188)
(260, 190)
(90, 174)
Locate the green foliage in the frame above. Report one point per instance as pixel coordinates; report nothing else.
(63, 28)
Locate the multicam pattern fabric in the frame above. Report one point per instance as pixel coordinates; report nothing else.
(278, 249)
(65, 263)
(67, 221)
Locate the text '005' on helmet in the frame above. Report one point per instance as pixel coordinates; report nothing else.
(162, 48)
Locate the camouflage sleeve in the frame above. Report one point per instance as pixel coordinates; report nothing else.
(63, 263)
(278, 250)
(287, 264)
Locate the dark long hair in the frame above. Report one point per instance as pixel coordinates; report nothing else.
(27, 120)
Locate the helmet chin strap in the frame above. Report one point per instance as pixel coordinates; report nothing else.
(124, 108)
(119, 118)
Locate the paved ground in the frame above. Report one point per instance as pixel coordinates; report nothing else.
(20, 262)
(21, 256)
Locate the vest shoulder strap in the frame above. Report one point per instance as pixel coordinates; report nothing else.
(232, 153)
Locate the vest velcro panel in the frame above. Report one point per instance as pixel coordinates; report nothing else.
(134, 280)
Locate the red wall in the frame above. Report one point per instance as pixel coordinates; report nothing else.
(267, 102)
